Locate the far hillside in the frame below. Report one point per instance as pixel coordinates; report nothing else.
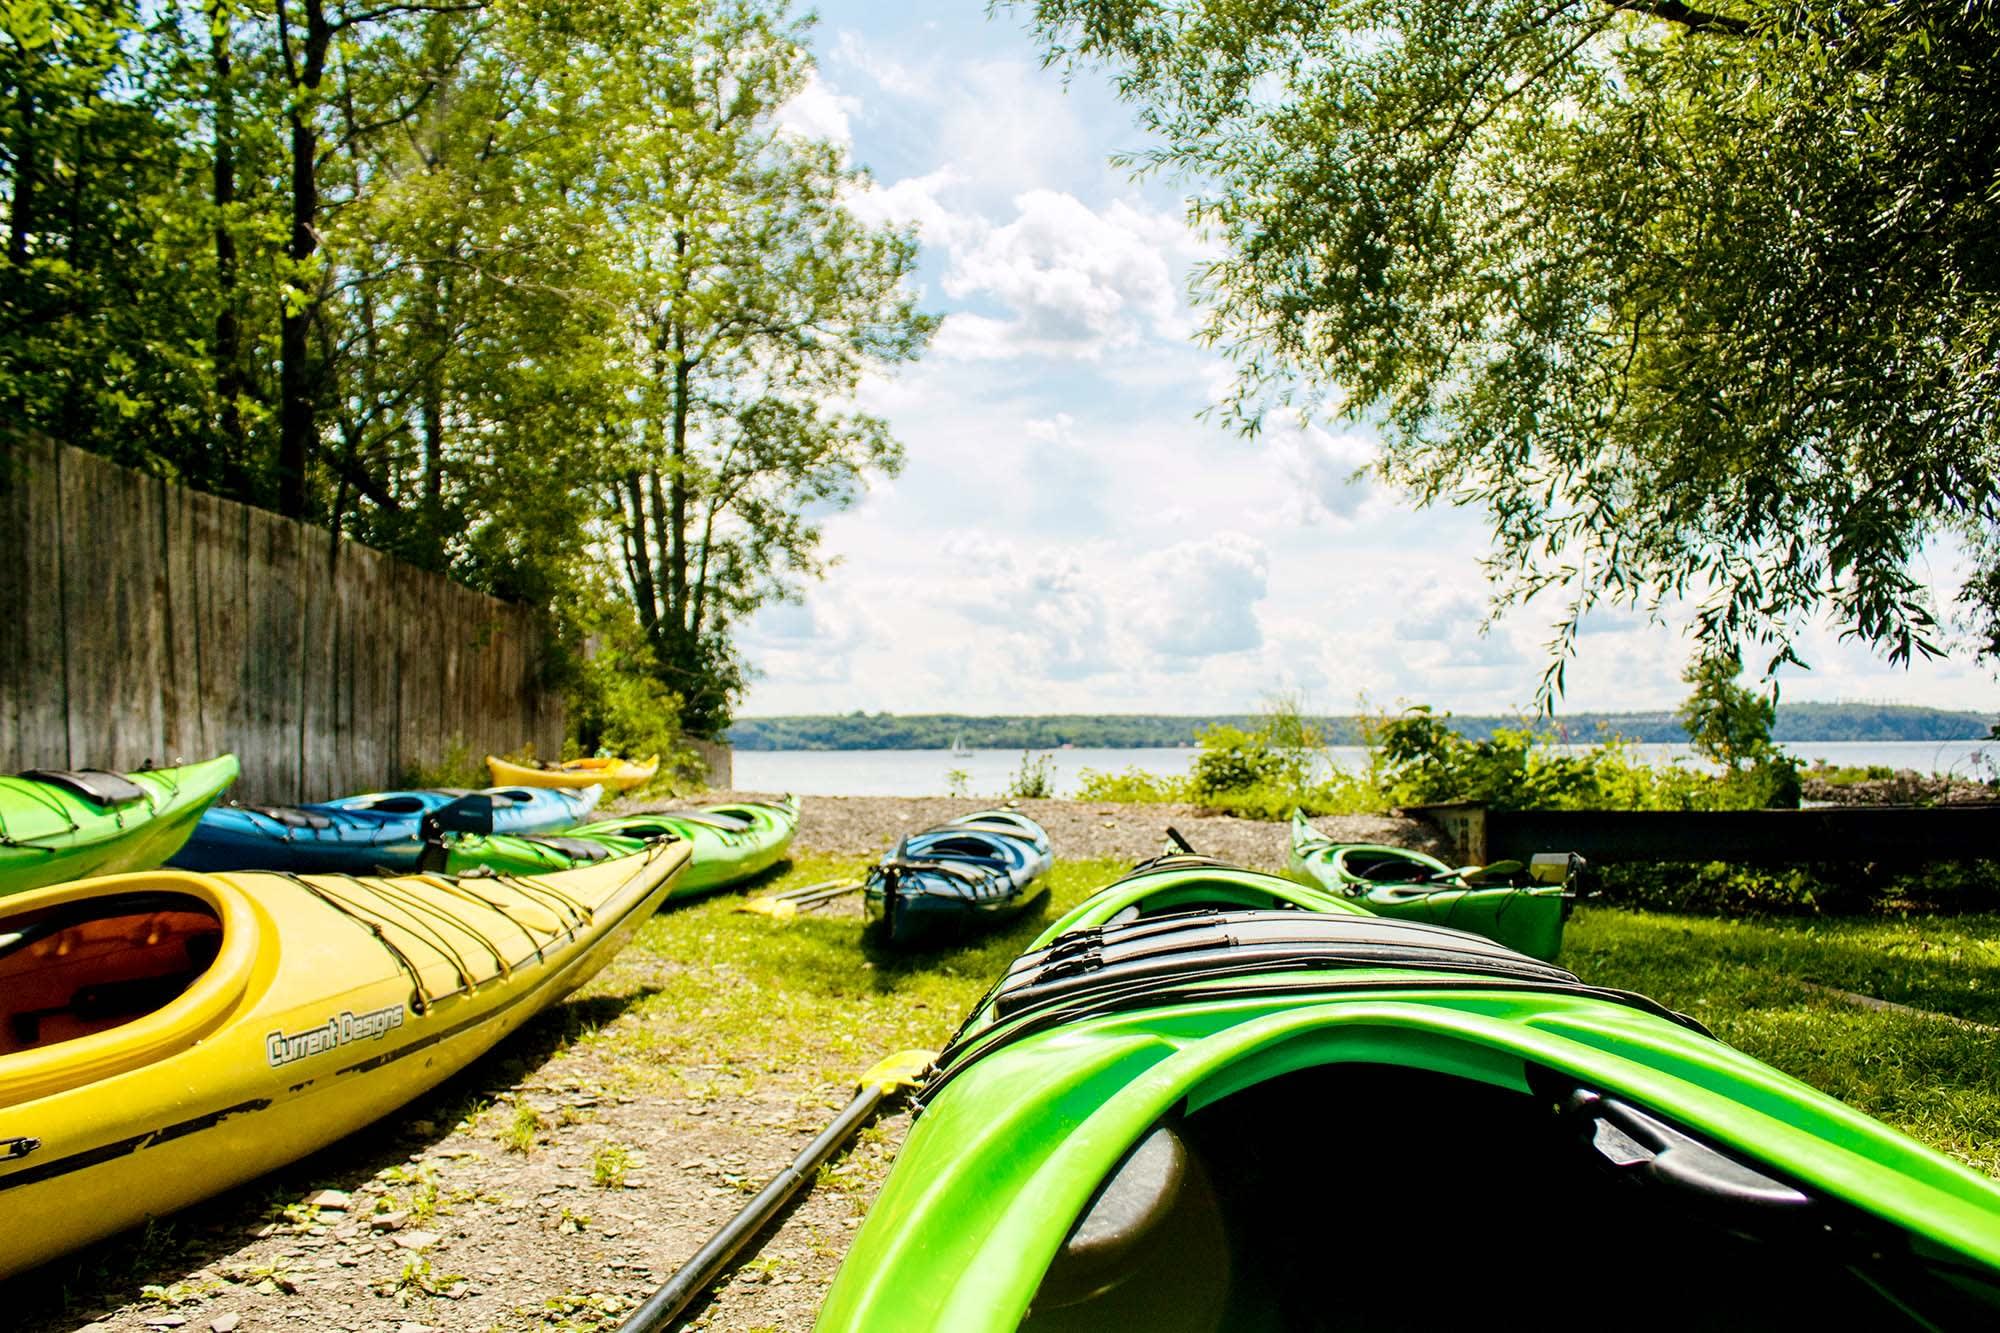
(1798, 724)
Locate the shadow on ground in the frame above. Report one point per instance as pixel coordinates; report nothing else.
(112, 1273)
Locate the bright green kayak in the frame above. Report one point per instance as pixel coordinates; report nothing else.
(1284, 1119)
(1398, 882)
(60, 825)
(730, 843)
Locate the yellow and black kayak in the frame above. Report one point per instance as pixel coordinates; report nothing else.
(612, 774)
(166, 1035)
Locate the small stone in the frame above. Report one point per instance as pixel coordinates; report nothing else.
(418, 1240)
(409, 1326)
(336, 1201)
(167, 1321)
(389, 1221)
(225, 1324)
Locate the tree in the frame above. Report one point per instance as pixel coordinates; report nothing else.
(755, 304)
(1726, 722)
(1697, 303)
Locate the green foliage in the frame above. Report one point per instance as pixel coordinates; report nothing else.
(458, 766)
(1695, 306)
(339, 259)
(1034, 779)
(617, 704)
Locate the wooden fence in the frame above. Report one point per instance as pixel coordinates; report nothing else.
(141, 621)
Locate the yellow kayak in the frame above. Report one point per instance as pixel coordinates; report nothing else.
(611, 774)
(166, 1035)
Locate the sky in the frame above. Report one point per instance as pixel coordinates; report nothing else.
(1068, 533)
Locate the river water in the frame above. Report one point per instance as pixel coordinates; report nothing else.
(990, 772)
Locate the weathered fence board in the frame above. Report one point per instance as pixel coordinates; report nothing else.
(149, 623)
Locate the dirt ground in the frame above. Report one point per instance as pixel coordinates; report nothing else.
(557, 1182)
(866, 825)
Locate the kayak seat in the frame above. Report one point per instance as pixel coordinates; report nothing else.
(96, 785)
(68, 973)
(291, 816)
(1323, 1233)
(1150, 1251)
(576, 849)
(400, 804)
(710, 819)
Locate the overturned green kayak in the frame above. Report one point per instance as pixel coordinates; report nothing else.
(731, 843)
(1257, 1119)
(58, 825)
(1398, 882)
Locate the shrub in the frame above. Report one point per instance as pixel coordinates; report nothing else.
(1034, 779)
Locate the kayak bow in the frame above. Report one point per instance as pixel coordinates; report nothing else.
(1141, 1127)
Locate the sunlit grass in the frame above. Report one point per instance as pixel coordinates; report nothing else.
(742, 997)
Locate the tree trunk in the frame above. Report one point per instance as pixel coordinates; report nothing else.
(297, 405)
(228, 331)
(21, 214)
(643, 586)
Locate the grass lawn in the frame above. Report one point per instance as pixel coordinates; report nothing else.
(1763, 986)
(808, 992)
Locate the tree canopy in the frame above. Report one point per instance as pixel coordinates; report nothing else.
(1698, 303)
(534, 293)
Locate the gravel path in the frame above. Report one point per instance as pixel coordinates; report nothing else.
(866, 825)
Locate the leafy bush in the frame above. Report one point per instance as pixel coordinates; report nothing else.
(617, 705)
(1034, 779)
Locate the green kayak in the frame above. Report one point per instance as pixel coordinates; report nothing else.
(58, 825)
(730, 843)
(1398, 882)
(1255, 1119)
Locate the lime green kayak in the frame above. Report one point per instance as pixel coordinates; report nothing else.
(59, 825)
(730, 843)
(1257, 1119)
(1398, 882)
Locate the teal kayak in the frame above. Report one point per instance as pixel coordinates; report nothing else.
(59, 825)
(1399, 882)
(1256, 1118)
(963, 876)
(730, 843)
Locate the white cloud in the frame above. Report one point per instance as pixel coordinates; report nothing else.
(1320, 469)
(887, 73)
(819, 111)
(1199, 597)
(1073, 280)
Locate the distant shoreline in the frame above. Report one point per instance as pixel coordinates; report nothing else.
(1798, 724)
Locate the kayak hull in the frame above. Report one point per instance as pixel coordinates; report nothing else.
(1528, 918)
(52, 834)
(1492, 1086)
(358, 836)
(515, 809)
(728, 844)
(611, 774)
(966, 876)
(305, 1028)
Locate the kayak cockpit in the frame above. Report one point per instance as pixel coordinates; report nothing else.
(1486, 1206)
(77, 968)
(101, 976)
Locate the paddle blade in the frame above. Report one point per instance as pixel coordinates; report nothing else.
(778, 909)
(904, 1069)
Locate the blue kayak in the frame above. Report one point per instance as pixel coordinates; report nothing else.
(358, 835)
(966, 875)
(515, 809)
